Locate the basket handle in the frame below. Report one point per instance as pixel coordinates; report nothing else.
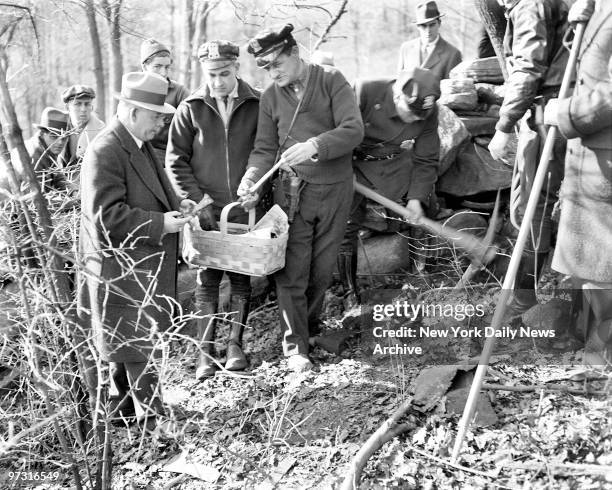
(225, 212)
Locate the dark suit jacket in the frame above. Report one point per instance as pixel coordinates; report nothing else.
(440, 61)
(131, 266)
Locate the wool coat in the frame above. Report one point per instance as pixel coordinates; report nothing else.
(46, 165)
(584, 243)
(440, 61)
(127, 294)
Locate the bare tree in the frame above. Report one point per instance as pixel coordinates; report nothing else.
(186, 38)
(200, 22)
(112, 12)
(96, 47)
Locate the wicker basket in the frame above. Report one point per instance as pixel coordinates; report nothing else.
(230, 250)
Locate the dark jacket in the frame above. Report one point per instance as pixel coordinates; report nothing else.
(536, 57)
(328, 113)
(409, 174)
(177, 93)
(126, 295)
(203, 156)
(46, 165)
(584, 242)
(440, 61)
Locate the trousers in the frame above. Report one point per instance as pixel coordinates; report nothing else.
(312, 246)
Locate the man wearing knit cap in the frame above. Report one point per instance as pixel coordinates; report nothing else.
(155, 57)
(310, 120)
(394, 112)
(129, 245)
(84, 126)
(211, 137)
(430, 50)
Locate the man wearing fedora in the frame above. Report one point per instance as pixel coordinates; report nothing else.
(211, 137)
(156, 57)
(45, 146)
(84, 126)
(309, 119)
(394, 111)
(430, 50)
(129, 245)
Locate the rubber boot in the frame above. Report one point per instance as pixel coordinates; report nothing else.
(347, 269)
(205, 367)
(524, 295)
(235, 358)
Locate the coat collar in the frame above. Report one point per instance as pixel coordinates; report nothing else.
(150, 172)
(245, 92)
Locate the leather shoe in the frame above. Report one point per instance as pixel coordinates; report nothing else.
(299, 363)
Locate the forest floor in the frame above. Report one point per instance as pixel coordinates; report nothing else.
(270, 428)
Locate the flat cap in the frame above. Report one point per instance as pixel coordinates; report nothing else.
(421, 86)
(78, 92)
(150, 48)
(270, 40)
(218, 53)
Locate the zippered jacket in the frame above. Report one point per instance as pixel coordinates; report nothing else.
(205, 156)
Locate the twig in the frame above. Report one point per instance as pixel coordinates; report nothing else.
(452, 465)
(559, 467)
(545, 388)
(387, 431)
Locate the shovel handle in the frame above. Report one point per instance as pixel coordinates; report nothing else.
(266, 176)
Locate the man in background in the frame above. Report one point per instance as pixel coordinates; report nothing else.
(430, 50)
(155, 57)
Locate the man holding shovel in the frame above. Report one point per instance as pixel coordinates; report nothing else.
(536, 58)
(309, 121)
(210, 139)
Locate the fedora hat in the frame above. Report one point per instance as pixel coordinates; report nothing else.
(53, 120)
(426, 12)
(146, 90)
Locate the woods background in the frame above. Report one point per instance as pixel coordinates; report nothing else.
(60, 43)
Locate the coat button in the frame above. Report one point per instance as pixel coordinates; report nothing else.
(581, 81)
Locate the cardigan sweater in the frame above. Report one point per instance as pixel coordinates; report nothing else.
(329, 113)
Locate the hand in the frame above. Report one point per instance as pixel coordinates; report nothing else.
(581, 11)
(499, 146)
(245, 196)
(299, 153)
(550, 112)
(415, 210)
(187, 207)
(174, 222)
(206, 217)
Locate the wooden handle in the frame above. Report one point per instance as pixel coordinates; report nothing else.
(266, 176)
(225, 212)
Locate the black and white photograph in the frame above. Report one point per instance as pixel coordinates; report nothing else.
(305, 244)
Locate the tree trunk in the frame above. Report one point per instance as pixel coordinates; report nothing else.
(187, 36)
(112, 11)
(492, 15)
(96, 47)
(199, 36)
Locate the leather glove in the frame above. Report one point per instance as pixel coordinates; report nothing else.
(415, 209)
(248, 199)
(581, 11)
(206, 217)
(550, 112)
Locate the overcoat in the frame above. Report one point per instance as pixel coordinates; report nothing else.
(584, 243)
(440, 61)
(127, 294)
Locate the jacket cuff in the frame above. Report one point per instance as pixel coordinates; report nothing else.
(156, 227)
(564, 119)
(323, 149)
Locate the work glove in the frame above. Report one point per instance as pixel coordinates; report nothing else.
(247, 199)
(551, 112)
(415, 209)
(581, 11)
(499, 147)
